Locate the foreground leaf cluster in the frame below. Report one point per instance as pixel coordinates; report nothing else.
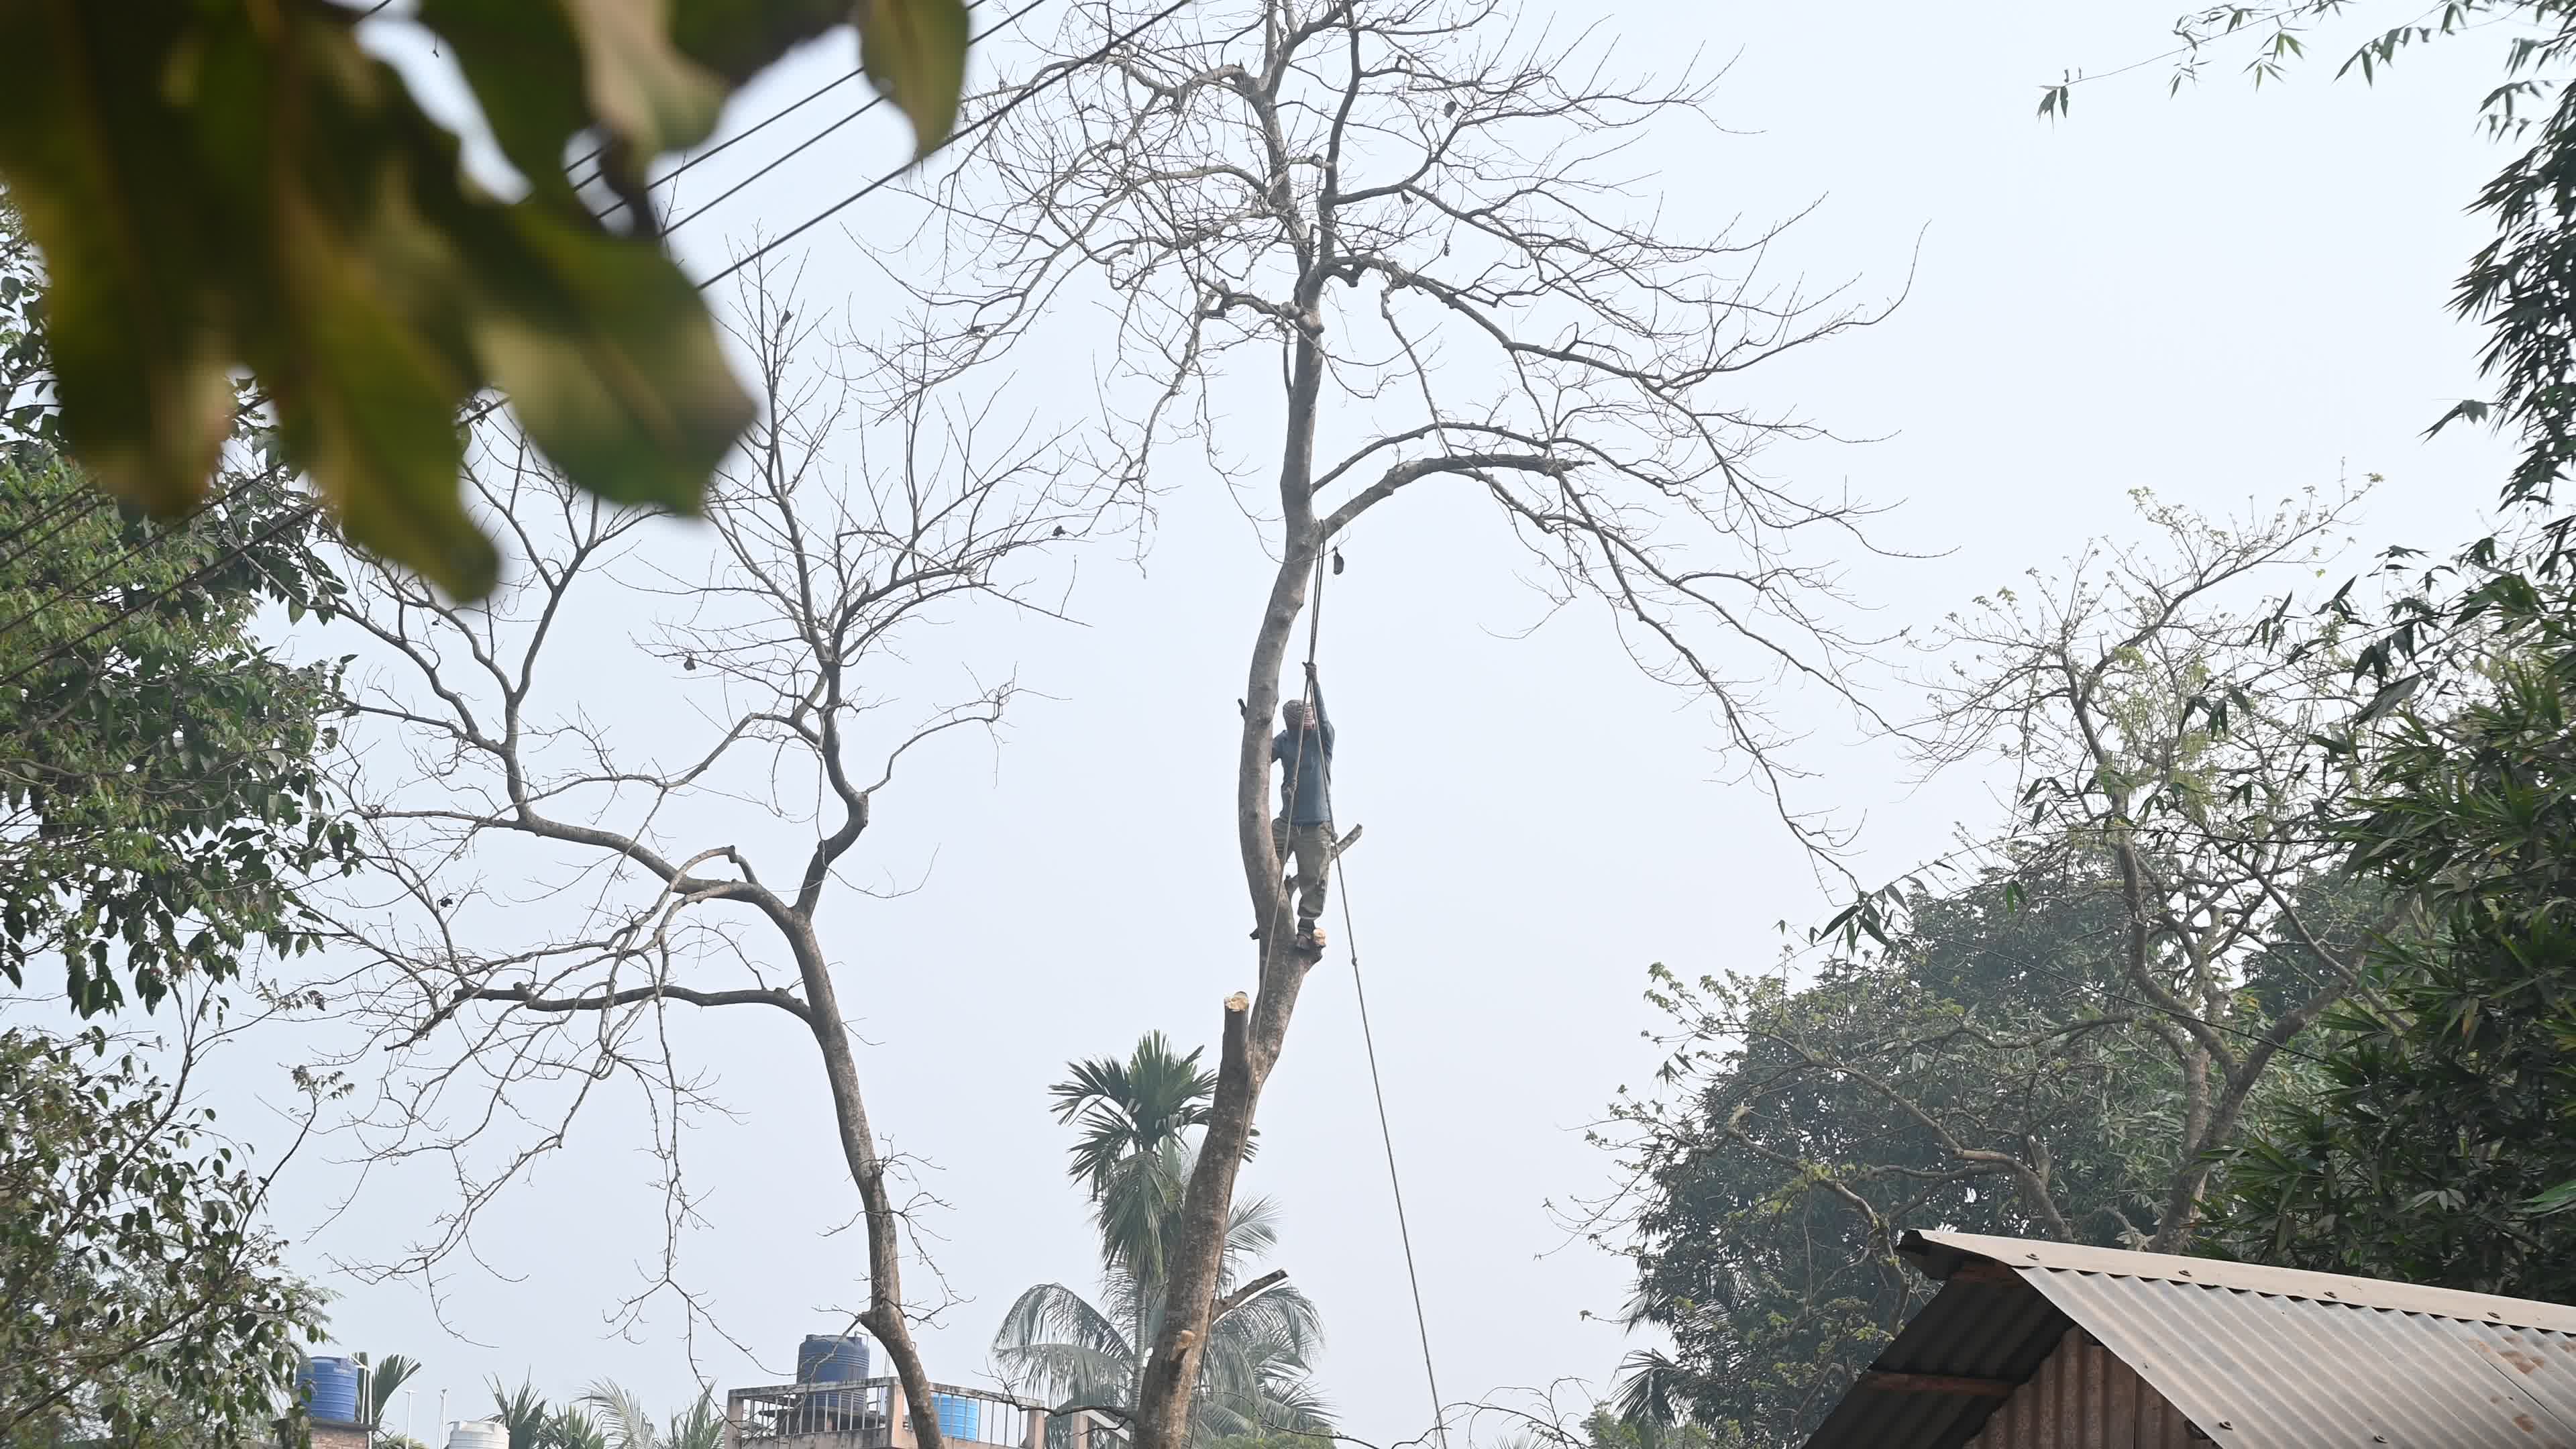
(221, 186)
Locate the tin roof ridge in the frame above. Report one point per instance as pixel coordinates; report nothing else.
(2031, 1255)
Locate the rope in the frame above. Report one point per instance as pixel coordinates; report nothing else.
(1368, 1037)
(1394, 1182)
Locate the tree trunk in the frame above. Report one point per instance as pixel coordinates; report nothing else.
(884, 1316)
(1253, 1030)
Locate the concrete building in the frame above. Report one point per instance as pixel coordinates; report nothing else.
(2033, 1345)
(872, 1414)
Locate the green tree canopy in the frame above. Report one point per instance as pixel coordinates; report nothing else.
(1965, 1077)
(141, 1303)
(161, 784)
(2440, 1144)
(160, 797)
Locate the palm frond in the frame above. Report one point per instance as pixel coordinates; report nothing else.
(1651, 1388)
(572, 1427)
(385, 1378)
(627, 1424)
(1282, 1320)
(1055, 1344)
(699, 1426)
(1131, 1108)
(523, 1412)
(1252, 1229)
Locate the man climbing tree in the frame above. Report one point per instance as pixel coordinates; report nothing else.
(1304, 750)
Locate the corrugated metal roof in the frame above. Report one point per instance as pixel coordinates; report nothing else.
(2257, 1358)
(2084, 1395)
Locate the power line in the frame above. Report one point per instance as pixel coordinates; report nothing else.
(80, 503)
(199, 574)
(792, 152)
(699, 158)
(719, 148)
(148, 541)
(1062, 70)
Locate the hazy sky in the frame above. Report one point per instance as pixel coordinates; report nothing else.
(2223, 296)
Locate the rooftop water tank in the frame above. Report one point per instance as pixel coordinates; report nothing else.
(328, 1388)
(479, 1434)
(831, 1358)
(959, 1416)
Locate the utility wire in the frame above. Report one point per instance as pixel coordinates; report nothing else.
(84, 506)
(1056, 76)
(291, 517)
(151, 539)
(80, 504)
(792, 152)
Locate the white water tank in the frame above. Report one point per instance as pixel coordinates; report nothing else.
(479, 1434)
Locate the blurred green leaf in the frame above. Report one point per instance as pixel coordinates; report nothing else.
(95, 166)
(914, 51)
(641, 88)
(609, 358)
(525, 66)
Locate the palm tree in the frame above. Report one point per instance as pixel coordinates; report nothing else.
(627, 1424)
(571, 1426)
(524, 1412)
(1135, 1159)
(700, 1426)
(385, 1379)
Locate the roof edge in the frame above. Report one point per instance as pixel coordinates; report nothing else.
(1941, 1254)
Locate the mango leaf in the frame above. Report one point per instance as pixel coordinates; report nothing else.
(914, 52)
(365, 394)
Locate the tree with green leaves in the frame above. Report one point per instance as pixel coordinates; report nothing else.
(2439, 1145)
(2049, 1033)
(162, 799)
(142, 1302)
(1957, 1077)
(2430, 1149)
(1134, 1155)
(239, 185)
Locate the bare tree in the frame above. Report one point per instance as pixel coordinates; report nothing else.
(480, 764)
(2051, 1031)
(2155, 721)
(1424, 219)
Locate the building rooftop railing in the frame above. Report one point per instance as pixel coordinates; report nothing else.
(859, 1414)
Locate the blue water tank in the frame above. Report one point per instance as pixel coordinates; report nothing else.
(831, 1359)
(959, 1417)
(329, 1389)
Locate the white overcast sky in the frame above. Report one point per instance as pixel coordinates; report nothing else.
(2224, 296)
